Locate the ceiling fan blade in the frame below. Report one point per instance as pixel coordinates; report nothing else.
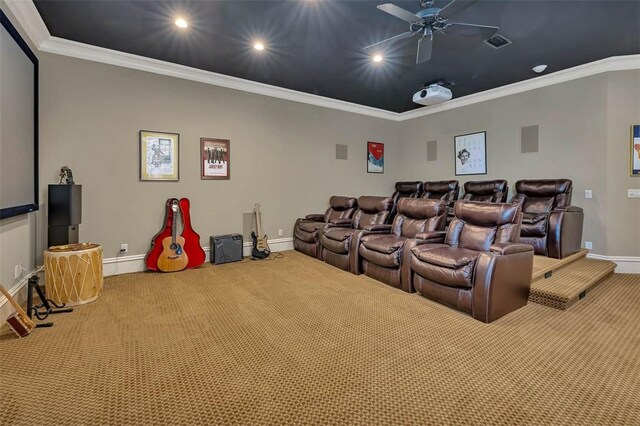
(454, 7)
(470, 30)
(425, 47)
(392, 39)
(398, 12)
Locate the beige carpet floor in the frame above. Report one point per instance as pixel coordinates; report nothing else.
(295, 341)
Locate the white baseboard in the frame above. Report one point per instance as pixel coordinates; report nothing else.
(624, 264)
(127, 264)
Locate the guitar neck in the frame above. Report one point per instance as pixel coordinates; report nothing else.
(174, 224)
(258, 221)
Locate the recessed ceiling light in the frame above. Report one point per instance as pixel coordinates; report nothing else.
(539, 68)
(181, 23)
(377, 58)
(258, 46)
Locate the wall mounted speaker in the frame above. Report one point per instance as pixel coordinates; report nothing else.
(529, 139)
(341, 152)
(432, 150)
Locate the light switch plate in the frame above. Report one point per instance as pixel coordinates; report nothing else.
(588, 193)
(633, 193)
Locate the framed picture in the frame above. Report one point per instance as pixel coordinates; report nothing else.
(215, 158)
(635, 150)
(471, 154)
(375, 157)
(159, 156)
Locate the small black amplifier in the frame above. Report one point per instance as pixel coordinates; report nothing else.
(225, 248)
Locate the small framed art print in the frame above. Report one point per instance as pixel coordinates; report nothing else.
(471, 154)
(215, 158)
(375, 157)
(159, 153)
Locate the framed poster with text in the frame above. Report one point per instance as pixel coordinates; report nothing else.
(635, 150)
(471, 154)
(159, 156)
(215, 158)
(375, 157)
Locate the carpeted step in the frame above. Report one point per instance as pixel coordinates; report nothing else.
(570, 282)
(542, 265)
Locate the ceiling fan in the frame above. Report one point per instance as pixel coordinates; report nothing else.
(428, 21)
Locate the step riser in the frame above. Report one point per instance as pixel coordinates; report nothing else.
(568, 283)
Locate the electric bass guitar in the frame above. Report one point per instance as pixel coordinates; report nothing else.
(261, 248)
(156, 242)
(173, 257)
(191, 238)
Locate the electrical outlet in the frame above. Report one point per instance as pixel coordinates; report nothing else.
(588, 193)
(124, 248)
(280, 232)
(633, 193)
(18, 271)
(588, 245)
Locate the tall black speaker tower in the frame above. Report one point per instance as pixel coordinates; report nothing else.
(65, 214)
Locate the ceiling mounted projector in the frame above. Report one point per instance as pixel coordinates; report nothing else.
(434, 94)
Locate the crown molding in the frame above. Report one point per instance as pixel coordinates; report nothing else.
(613, 63)
(29, 18)
(75, 49)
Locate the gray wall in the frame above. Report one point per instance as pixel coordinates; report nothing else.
(583, 135)
(282, 153)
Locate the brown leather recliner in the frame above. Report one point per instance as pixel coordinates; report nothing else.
(306, 231)
(339, 245)
(411, 189)
(479, 269)
(385, 257)
(550, 224)
(445, 190)
(490, 191)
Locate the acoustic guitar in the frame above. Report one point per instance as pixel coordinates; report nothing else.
(19, 322)
(151, 259)
(173, 257)
(261, 248)
(192, 245)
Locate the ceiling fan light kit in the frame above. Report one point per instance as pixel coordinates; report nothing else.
(429, 21)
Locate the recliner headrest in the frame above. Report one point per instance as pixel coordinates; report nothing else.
(409, 187)
(421, 208)
(485, 214)
(485, 187)
(440, 186)
(544, 187)
(371, 204)
(338, 202)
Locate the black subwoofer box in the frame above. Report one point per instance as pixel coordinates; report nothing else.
(64, 214)
(225, 248)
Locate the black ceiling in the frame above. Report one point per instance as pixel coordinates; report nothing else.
(315, 46)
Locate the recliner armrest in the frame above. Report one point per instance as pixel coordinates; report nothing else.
(569, 209)
(340, 222)
(565, 231)
(510, 248)
(315, 217)
(378, 229)
(431, 237)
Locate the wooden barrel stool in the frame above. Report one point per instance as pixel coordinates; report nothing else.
(73, 273)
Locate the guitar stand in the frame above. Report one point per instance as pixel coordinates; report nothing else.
(45, 305)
